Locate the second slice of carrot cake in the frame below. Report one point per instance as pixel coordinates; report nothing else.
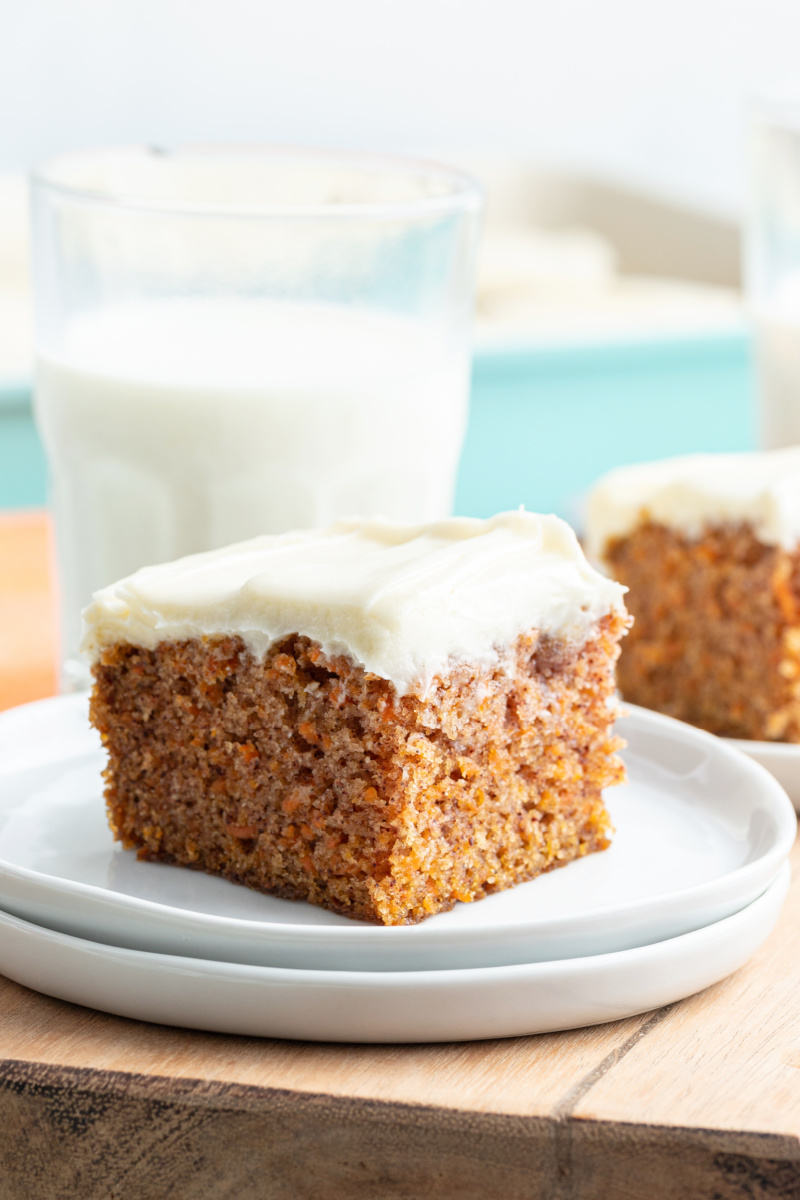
(709, 547)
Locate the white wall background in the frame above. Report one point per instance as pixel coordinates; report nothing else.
(649, 92)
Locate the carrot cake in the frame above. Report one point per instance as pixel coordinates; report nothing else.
(709, 547)
(379, 719)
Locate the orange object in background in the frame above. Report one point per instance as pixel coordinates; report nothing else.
(28, 618)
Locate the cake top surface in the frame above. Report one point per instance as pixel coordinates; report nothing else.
(693, 491)
(405, 602)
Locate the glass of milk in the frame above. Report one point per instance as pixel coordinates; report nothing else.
(241, 341)
(772, 264)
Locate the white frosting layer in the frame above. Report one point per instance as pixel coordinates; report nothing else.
(696, 490)
(405, 602)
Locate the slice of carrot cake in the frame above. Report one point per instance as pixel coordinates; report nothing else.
(709, 547)
(376, 718)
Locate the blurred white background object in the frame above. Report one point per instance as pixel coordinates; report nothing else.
(612, 132)
(773, 263)
(570, 259)
(646, 94)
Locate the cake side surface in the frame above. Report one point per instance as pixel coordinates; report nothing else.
(303, 774)
(716, 633)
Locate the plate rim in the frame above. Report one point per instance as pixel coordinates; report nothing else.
(423, 933)
(790, 750)
(390, 980)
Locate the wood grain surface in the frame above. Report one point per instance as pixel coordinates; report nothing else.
(697, 1101)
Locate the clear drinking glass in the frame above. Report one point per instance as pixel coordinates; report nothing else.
(242, 341)
(772, 264)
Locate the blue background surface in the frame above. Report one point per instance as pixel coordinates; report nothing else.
(543, 423)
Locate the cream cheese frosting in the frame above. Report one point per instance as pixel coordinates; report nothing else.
(696, 490)
(405, 602)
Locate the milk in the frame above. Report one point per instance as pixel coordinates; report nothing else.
(178, 426)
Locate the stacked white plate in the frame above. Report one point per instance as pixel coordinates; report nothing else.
(781, 759)
(690, 888)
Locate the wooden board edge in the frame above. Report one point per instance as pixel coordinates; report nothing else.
(72, 1130)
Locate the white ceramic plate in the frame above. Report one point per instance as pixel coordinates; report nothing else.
(781, 759)
(383, 1006)
(701, 832)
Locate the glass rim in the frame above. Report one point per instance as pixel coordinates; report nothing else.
(466, 194)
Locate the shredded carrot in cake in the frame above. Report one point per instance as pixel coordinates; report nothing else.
(303, 775)
(716, 634)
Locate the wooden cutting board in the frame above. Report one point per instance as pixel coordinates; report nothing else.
(697, 1101)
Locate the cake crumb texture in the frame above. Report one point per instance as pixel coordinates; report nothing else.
(716, 634)
(306, 776)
